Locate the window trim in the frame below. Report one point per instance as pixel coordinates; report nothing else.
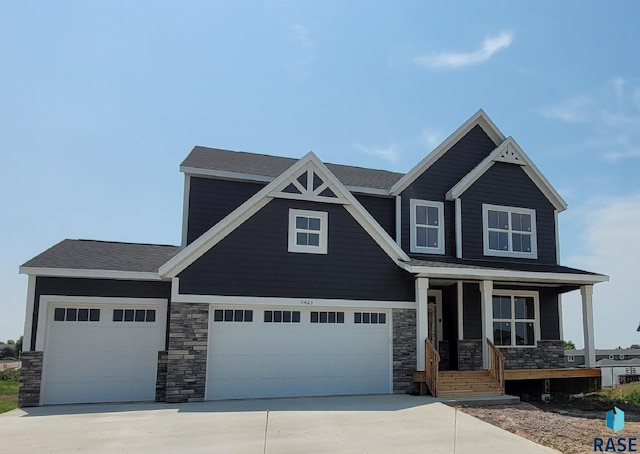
(536, 313)
(510, 253)
(413, 203)
(307, 249)
(571, 358)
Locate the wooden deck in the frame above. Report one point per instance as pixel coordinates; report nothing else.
(541, 374)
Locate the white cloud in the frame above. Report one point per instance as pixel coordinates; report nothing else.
(300, 35)
(611, 237)
(571, 110)
(616, 156)
(452, 60)
(430, 138)
(389, 153)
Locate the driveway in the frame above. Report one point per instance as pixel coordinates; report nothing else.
(353, 424)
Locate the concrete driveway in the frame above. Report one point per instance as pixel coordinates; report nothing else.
(362, 424)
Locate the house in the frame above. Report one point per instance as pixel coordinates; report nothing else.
(617, 372)
(298, 278)
(576, 358)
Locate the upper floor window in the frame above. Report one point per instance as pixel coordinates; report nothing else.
(308, 231)
(427, 226)
(509, 232)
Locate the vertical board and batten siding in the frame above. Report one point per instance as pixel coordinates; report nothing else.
(211, 200)
(507, 185)
(254, 261)
(443, 175)
(95, 287)
(383, 210)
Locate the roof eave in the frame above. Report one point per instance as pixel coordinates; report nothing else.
(89, 273)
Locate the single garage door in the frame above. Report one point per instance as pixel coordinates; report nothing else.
(101, 353)
(279, 352)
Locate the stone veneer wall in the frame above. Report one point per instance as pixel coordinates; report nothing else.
(161, 377)
(548, 354)
(404, 349)
(187, 354)
(469, 354)
(30, 379)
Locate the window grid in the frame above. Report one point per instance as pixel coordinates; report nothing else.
(308, 231)
(70, 314)
(427, 226)
(370, 318)
(233, 315)
(326, 317)
(134, 315)
(514, 320)
(509, 231)
(282, 316)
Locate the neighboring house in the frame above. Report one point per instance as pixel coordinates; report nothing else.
(617, 372)
(576, 357)
(298, 278)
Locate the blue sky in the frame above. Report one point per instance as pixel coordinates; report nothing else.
(101, 101)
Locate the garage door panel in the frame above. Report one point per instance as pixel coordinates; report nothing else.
(261, 359)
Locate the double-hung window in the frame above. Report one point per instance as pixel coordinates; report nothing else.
(427, 226)
(515, 319)
(509, 231)
(308, 231)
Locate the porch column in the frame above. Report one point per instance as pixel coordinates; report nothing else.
(28, 316)
(587, 325)
(486, 297)
(422, 319)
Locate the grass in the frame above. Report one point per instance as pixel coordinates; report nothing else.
(9, 380)
(628, 394)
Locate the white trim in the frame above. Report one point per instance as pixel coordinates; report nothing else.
(398, 220)
(310, 161)
(226, 175)
(185, 208)
(422, 320)
(390, 320)
(536, 313)
(45, 300)
(28, 316)
(438, 296)
(503, 275)
(210, 316)
(323, 217)
(96, 274)
(486, 304)
(571, 358)
(413, 204)
(560, 320)
(480, 118)
(309, 198)
(557, 233)
(460, 295)
(458, 205)
(527, 166)
(586, 291)
(509, 253)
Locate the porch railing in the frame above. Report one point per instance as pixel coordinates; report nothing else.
(432, 366)
(496, 364)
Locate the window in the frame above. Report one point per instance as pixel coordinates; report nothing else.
(282, 316)
(327, 317)
(308, 231)
(427, 226)
(134, 315)
(620, 356)
(571, 358)
(509, 232)
(612, 356)
(62, 314)
(232, 315)
(371, 318)
(515, 319)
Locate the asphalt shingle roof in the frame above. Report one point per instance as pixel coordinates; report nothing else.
(104, 255)
(272, 166)
(450, 262)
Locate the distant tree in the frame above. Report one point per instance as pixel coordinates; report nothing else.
(11, 342)
(18, 346)
(7, 352)
(569, 345)
(635, 346)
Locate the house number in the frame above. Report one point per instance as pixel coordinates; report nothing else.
(307, 302)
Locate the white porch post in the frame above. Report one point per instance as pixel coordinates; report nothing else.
(422, 319)
(587, 325)
(28, 316)
(486, 296)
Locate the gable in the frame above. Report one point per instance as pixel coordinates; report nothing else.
(253, 260)
(309, 180)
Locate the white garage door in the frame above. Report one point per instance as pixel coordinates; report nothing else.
(279, 352)
(101, 353)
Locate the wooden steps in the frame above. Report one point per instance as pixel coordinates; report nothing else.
(467, 384)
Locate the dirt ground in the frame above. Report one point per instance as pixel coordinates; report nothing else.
(567, 427)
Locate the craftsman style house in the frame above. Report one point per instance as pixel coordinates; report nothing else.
(300, 278)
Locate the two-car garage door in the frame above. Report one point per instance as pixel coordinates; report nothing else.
(102, 352)
(292, 351)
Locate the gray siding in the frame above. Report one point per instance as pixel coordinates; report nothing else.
(95, 287)
(383, 210)
(472, 312)
(210, 200)
(549, 318)
(436, 181)
(253, 261)
(507, 185)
